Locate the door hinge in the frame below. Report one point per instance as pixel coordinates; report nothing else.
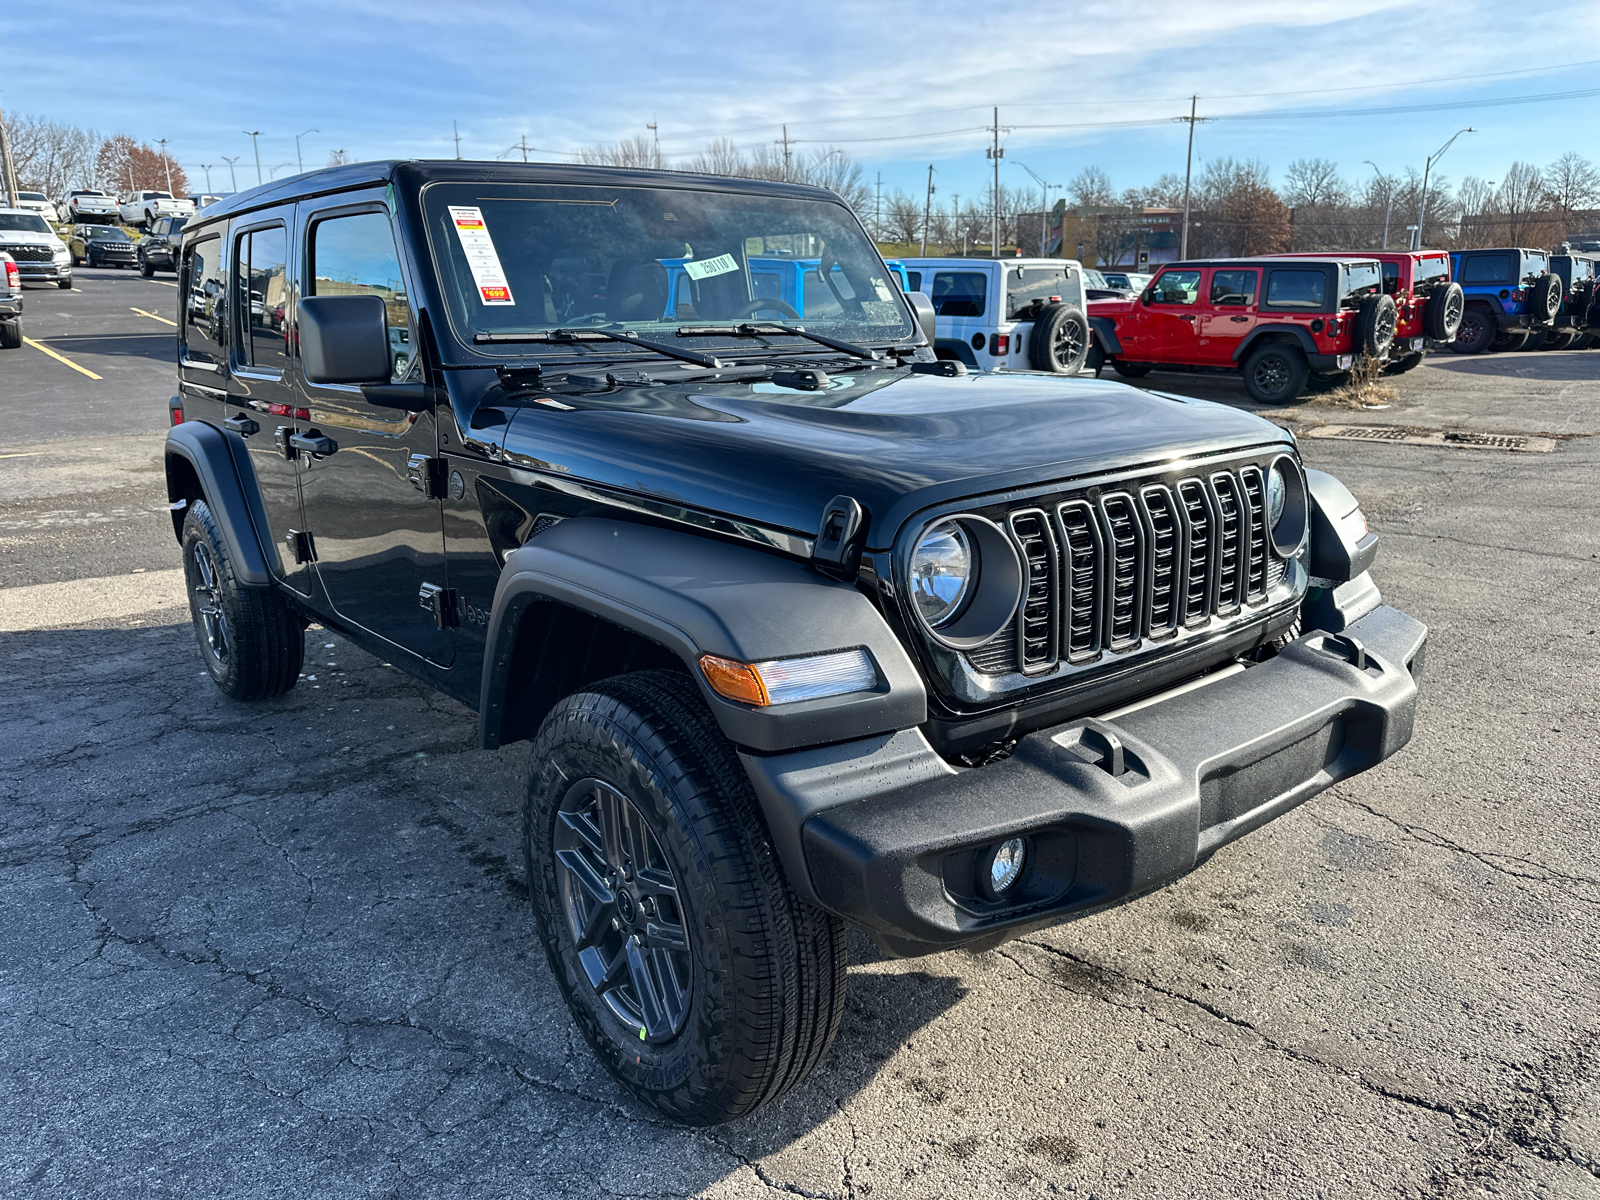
(281, 436)
(302, 546)
(427, 475)
(441, 602)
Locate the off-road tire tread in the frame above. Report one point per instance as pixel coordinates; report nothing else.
(790, 955)
(10, 335)
(268, 640)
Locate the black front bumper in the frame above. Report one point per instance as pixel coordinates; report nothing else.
(888, 835)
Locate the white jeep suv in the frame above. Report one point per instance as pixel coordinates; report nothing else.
(1007, 314)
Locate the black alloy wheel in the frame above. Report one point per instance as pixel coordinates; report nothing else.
(1476, 331)
(1059, 341)
(251, 643)
(702, 983)
(1275, 374)
(621, 903)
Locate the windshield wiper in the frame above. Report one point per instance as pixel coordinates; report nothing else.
(603, 335)
(763, 328)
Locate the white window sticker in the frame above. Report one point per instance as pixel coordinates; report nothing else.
(707, 267)
(482, 260)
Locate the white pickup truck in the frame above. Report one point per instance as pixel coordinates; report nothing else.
(91, 206)
(142, 207)
(1009, 314)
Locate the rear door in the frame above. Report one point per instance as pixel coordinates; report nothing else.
(1229, 314)
(371, 504)
(961, 302)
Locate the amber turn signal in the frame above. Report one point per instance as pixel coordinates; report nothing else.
(735, 680)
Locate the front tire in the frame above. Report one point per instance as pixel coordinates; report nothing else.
(700, 981)
(146, 269)
(251, 643)
(1131, 370)
(1275, 374)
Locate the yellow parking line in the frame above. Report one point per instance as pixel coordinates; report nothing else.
(61, 358)
(163, 283)
(152, 316)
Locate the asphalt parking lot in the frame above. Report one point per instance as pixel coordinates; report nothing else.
(283, 949)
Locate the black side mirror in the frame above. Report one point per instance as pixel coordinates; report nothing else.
(923, 307)
(344, 339)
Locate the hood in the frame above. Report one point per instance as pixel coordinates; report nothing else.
(895, 441)
(29, 237)
(1118, 307)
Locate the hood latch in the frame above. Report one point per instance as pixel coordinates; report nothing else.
(837, 550)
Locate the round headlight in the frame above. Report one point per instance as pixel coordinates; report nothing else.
(1287, 509)
(942, 569)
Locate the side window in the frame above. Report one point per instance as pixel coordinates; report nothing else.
(959, 293)
(1233, 288)
(1297, 289)
(355, 256)
(205, 330)
(261, 284)
(1485, 268)
(913, 281)
(1391, 278)
(1176, 287)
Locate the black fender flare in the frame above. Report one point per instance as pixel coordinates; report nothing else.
(1105, 329)
(227, 481)
(1342, 547)
(958, 347)
(694, 595)
(1299, 333)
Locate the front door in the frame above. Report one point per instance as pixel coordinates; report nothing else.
(1230, 315)
(258, 383)
(369, 504)
(1165, 322)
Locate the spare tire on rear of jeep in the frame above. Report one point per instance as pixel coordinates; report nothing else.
(1060, 340)
(1441, 320)
(1544, 296)
(1375, 325)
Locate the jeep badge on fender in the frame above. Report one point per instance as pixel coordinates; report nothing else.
(806, 628)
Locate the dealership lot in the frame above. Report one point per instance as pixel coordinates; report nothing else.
(282, 949)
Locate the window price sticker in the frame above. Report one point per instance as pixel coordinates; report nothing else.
(482, 261)
(707, 267)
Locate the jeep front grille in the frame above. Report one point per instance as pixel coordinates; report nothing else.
(1110, 574)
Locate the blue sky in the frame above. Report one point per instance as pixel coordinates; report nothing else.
(387, 78)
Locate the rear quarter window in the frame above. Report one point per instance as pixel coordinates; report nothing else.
(960, 293)
(1485, 268)
(205, 326)
(1302, 289)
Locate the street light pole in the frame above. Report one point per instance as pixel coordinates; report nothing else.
(166, 162)
(1044, 199)
(300, 163)
(233, 179)
(206, 167)
(1388, 192)
(1422, 202)
(253, 134)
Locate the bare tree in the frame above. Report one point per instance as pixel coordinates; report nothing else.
(1091, 188)
(637, 151)
(50, 156)
(1526, 210)
(720, 157)
(902, 219)
(1572, 183)
(1314, 183)
(338, 158)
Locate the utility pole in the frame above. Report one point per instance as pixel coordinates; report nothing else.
(232, 178)
(995, 155)
(457, 130)
(253, 134)
(1422, 202)
(166, 162)
(654, 126)
(877, 218)
(1188, 174)
(927, 211)
(788, 174)
(300, 163)
(524, 145)
(9, 168)
(206, 167)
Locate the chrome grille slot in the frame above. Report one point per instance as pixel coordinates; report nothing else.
(1230, 549)
(1125, 551)
(1164, 558)
(1200, 564)
(1036, 630)
(1255, 575)
(999, 655)
(1081, 546)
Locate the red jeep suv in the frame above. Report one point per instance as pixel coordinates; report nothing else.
(1281, 322)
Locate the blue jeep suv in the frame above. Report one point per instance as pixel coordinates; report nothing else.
(1578, 322)
(1511, 296)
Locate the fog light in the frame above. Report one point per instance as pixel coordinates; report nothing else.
(1003, 866)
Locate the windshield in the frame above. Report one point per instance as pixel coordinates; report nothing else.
(106, 233)
(30, 195)
(526, 258)
(24, 222)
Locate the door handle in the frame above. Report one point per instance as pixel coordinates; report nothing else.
(1185, 316)
(315, 444)
(242, 425)
(1238, 318)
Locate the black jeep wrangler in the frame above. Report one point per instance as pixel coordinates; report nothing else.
(806, 626)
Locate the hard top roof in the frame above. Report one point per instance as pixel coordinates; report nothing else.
(326, 180)
(1267, 260)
